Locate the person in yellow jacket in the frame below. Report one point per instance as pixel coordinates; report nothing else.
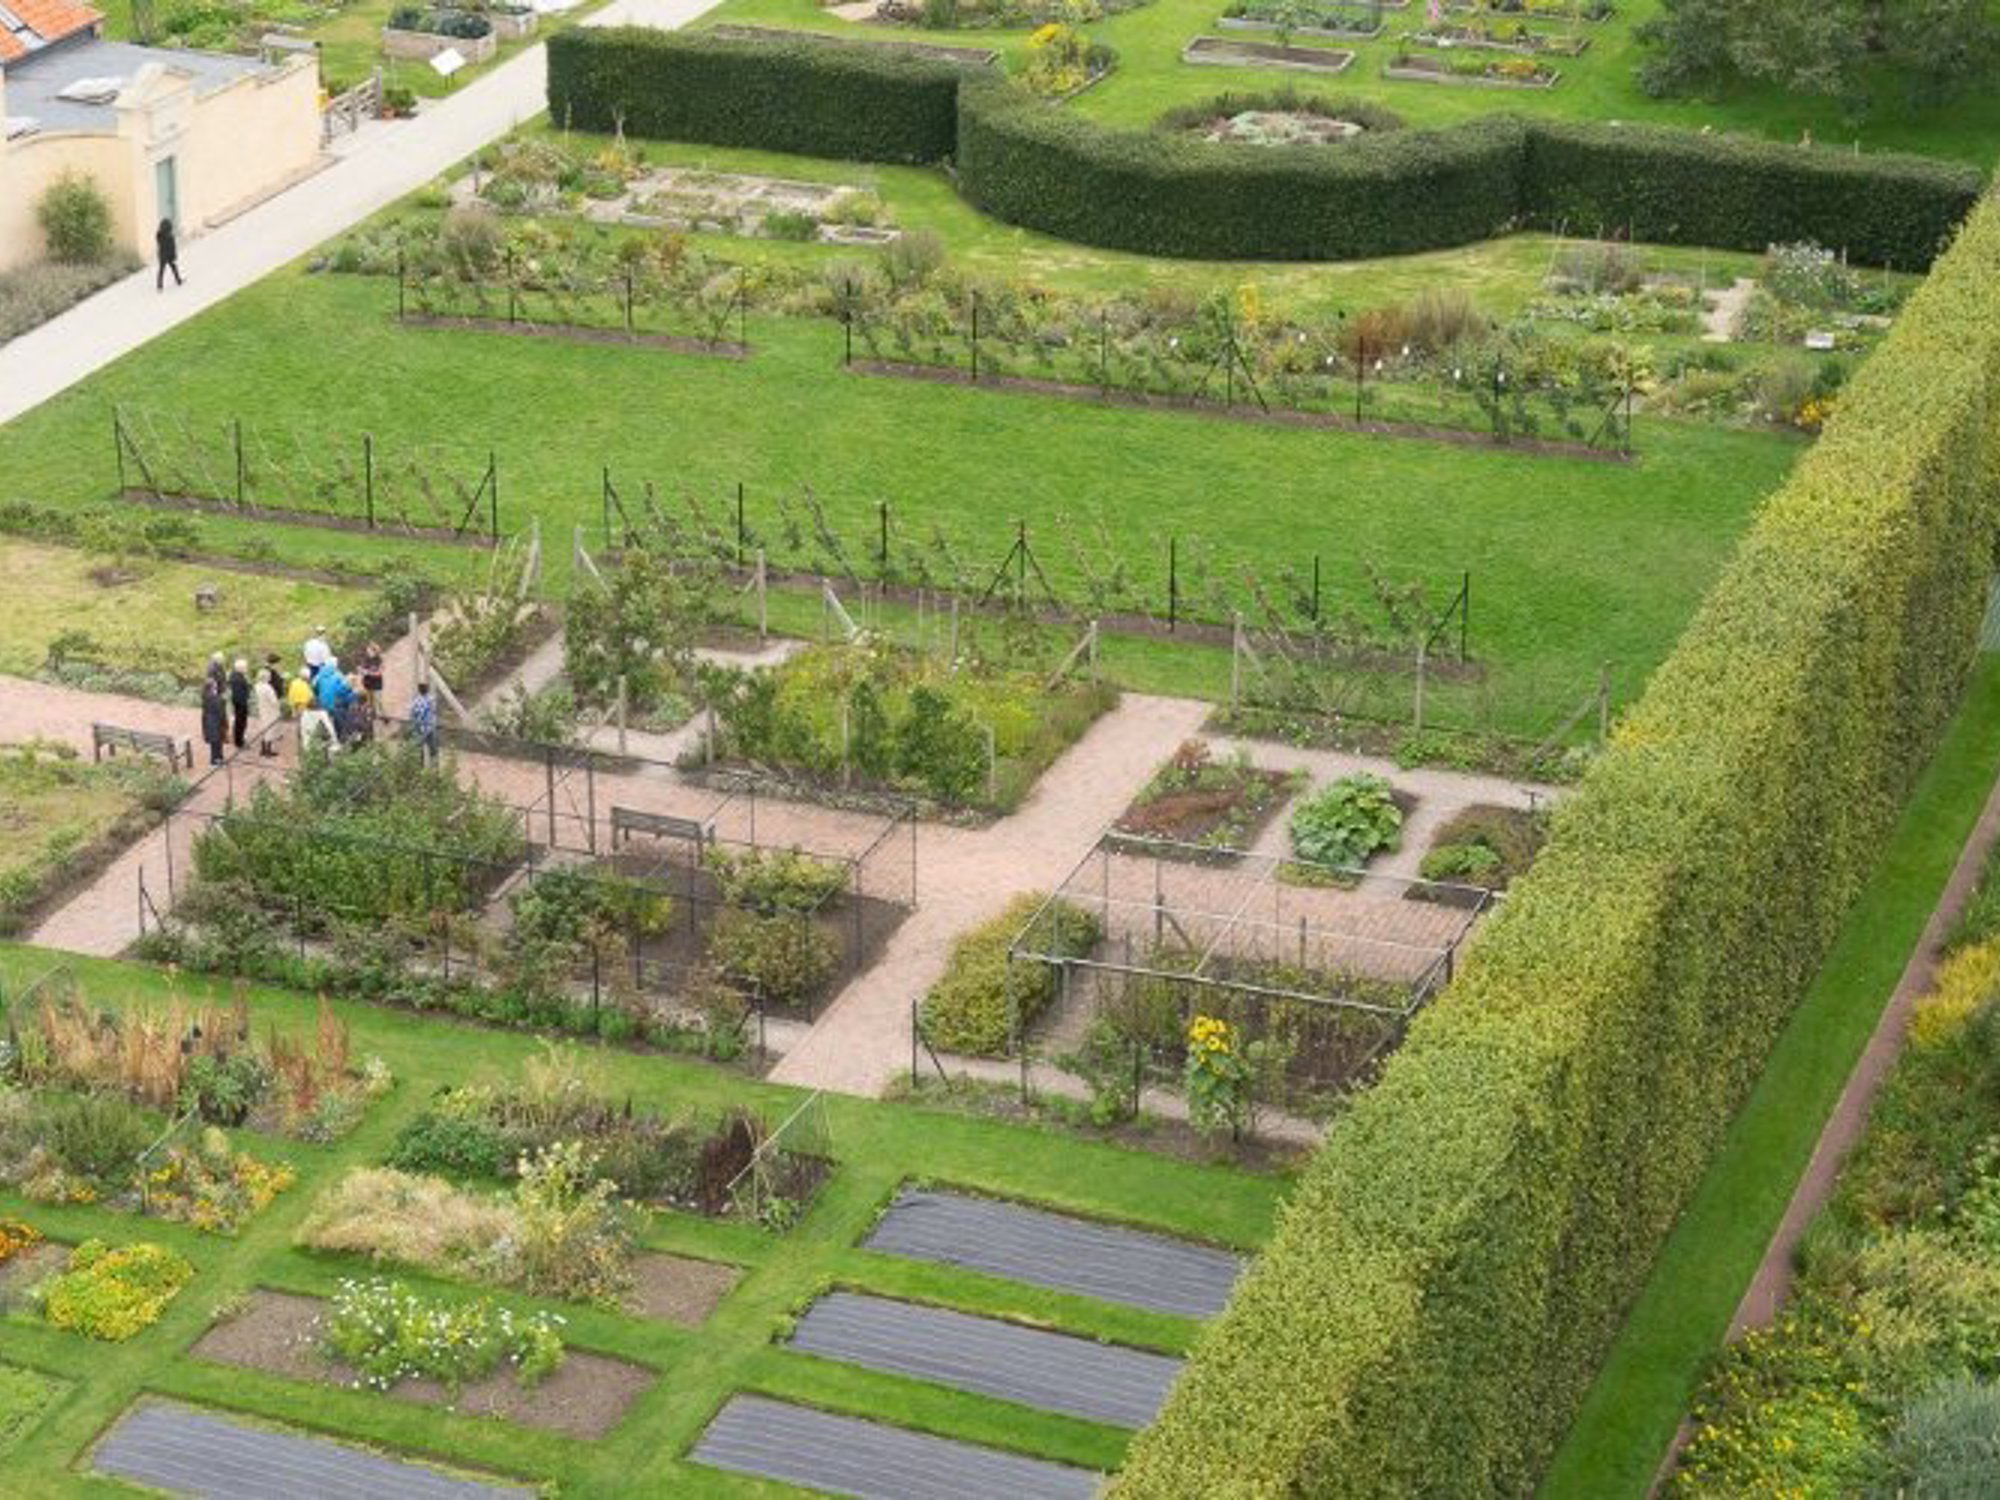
(299, 698)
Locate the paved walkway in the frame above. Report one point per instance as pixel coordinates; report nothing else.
(373, 170)
(103, 919)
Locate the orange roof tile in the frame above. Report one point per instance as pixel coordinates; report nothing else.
(49, 20)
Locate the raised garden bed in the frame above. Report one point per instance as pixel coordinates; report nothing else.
(1477, 851)
(421, 46)
(1520, 41)
(281, 1333)
(978, 57)
(1197, 800)
(1341, 21)
(1216, 51)
(1415, 68)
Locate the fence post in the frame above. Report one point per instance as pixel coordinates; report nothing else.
(882, 514)
(992, 766)
(915, 1078)
(493, 500)
(975, 338)
(1173, 581)
(630, 329)
(1104, 353)
(1419, 721)
(1464, 612)
(510, 284)
(399, 284)
(1235, 659)
(742, 531)
(368, 475)
(118, 446)
(236, 438)
(1315, 613)
(621, 713)
(763, 603)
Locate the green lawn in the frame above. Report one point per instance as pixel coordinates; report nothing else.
(1599, 85)
(877, 1146)
(1575, 563)
(1681, 1317)
(141, 613)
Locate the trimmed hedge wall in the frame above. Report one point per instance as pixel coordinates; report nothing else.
(1031, 163)
(1682, 187)
(815, 98)
(1044, 167)
(1461, 1253)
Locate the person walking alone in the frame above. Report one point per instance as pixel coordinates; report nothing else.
(170, 255)
(239, 702)
(214, 716)
(372, 680)
(424, 723)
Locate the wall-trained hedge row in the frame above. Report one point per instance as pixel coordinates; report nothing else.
(1043, 166)
(813, 97)
(1461, 1252)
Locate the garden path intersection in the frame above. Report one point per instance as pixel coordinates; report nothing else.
(860, 1042)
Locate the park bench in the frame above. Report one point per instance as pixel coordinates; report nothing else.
(626, 821)
(113, 738)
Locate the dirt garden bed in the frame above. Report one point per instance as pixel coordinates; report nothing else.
(1197, 800)
(280, 1333)
(1417, 69)
(678, 1289)
(1222, 52)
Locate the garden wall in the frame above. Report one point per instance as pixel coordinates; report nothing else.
(1460, 1255)
(1044, 167)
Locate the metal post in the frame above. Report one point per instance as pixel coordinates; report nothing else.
(1360, 372)
(510, 284)
(741, 531)
(118, 446)
(493, 499)
(400, 281)
(763, 611)
(236, 436)
(1173, 581)
(621, 713)
(1419, 724)
(630, 330)
(882, 515)
(590, 802)
(1235, 660)
(549, 774)
(1464, 612)
(368, 475)
(1315, 613)
(992, 767)
(975, 338)
(914, 1077)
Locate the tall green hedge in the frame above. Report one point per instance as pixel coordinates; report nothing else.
(1683, 187)
(813, 97)
(1043, 166)
(1036, 164)
(1461, 1252)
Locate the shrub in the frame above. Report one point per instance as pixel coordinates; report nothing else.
(1947, 1442)
(983, 1001)
(1346, 822)
(769, 881)
(1487, 847)
(783, 958)
(113, 1294)
(388, 1333)
(823, 98)
(75, 217)
(16, 1235)
(1491, 1207)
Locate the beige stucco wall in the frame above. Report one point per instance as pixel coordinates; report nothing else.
(28, 167)
(230, 148)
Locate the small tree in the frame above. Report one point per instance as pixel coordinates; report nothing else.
(75, 219)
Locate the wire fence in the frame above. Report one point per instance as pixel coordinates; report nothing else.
(646, 852)
(639, 301)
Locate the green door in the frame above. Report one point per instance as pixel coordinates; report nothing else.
(166, 187)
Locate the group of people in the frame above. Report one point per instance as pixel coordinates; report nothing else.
(332, 707)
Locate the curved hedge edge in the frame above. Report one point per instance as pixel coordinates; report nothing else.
(1441, 1290)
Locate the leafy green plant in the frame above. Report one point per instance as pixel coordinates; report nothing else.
(770, 881)
(75, 219)
(112, 1294)
(1346, 822)
(784, 958)
(389, 1333)
(984, 1000)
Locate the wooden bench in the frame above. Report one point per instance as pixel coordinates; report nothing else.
(626, 821)
(113, 738)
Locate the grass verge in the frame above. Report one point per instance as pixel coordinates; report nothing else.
(1683, 1314)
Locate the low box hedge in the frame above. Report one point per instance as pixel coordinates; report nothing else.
(972, 1009)
(1034, 163)
(1460, 1254)
(814, 96)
